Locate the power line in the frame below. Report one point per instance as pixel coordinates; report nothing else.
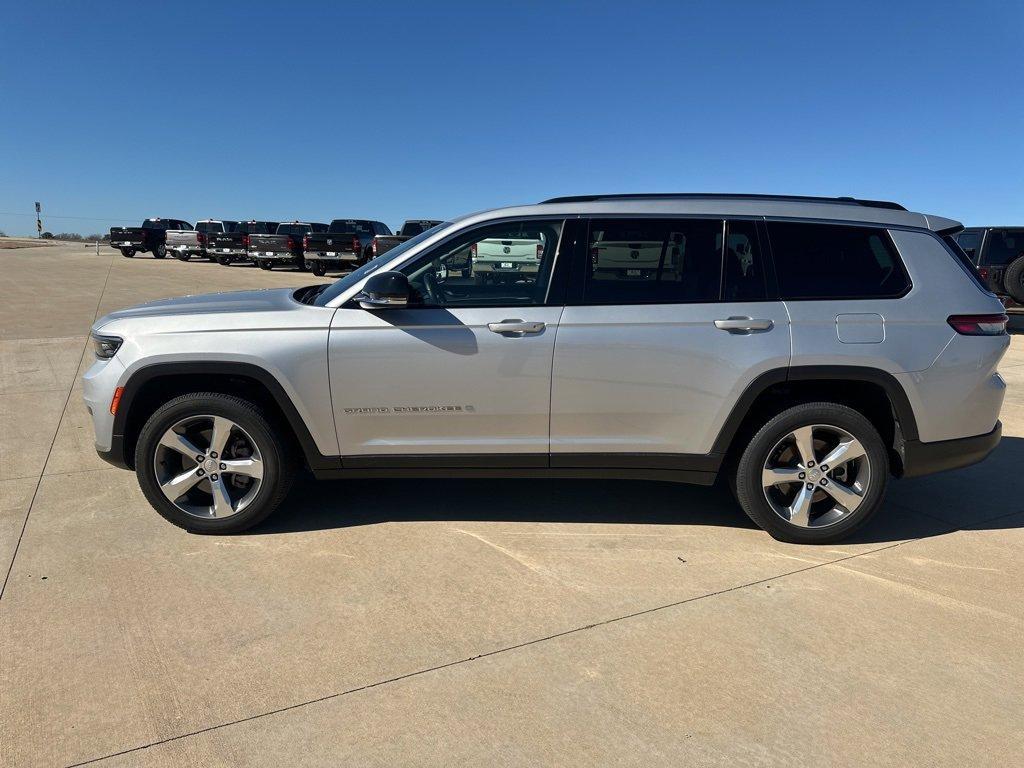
(54, 216)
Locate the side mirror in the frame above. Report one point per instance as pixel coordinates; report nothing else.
(384, 290)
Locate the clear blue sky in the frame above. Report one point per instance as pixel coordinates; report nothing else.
(395, 110)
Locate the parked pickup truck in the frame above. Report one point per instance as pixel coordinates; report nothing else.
(182, 241)
(284, 247)
(383, 243)
(347, 242)
(151, 236)
(186, 243)
(502, 260)
(229, 247)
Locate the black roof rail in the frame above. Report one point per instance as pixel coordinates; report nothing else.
(723, 196)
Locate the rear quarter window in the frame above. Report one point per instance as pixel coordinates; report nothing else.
(835, 261)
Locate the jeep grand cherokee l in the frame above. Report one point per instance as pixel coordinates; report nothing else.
(804, 349)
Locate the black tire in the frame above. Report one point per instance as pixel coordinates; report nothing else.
(224, 261)
(182, 256)
(128, 253)
(318, 269)
(264, 264)
(275, 448)
(160, 251)
(1013, 279)
(751, 494)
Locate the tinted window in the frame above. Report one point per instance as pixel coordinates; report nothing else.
(357, 226)
(743, 272)
(1003, 246)
(969, 242)
(506, 264)
(293, 229)
(209, 226)
(653, 261)
(154, 224)
(829, 261)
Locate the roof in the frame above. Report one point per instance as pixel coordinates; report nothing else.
(841, 209)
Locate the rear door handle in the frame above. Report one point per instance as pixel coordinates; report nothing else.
(743, 324)
(515, 327)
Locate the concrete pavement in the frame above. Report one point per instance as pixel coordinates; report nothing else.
(475, 622)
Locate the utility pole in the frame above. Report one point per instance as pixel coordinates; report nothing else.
(39, 222)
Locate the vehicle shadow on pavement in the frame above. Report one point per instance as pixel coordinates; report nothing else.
(919, 508)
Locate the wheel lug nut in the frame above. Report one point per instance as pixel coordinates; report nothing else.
(200, 473)
(810, 463)
(200, 458)
(213, 476)
(803, 475)
(824, 481)
(810, 486)
(223, 466)
(213, 454)
(824, 467)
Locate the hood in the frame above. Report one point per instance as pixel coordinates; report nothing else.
(233, 302)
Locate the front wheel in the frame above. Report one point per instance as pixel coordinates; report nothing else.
(160, 251)
(813, 474)
(1013, 280)
(212, 463)
(128, 252)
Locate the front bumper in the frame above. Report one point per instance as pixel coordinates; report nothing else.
(928, 458)
(98, 386)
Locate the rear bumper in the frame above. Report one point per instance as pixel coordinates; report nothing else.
(274, 256)
(518, 268)
(927, 458)
(337, 258)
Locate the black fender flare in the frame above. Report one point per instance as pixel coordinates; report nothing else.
(145, 374)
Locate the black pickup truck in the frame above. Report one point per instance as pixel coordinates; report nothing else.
(383, 243)
(151, 236)
(285, 246)
(229, 247)
(346, 243)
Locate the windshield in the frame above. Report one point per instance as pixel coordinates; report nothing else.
(338, 288)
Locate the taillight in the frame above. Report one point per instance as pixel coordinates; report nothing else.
(540, 251)
(201, 238)
(305, 243)
(983, 273)
(373, 247)
(355, 244)
(290, 244)
(472, 251)
(245, 241)
(979, 325)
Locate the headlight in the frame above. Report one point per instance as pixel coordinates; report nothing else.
(105, 347)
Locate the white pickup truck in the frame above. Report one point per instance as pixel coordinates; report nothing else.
(498, 260)
(186, 243)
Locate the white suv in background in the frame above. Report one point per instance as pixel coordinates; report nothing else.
(805, 349)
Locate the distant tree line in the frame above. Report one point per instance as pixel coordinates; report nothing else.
(75, 237)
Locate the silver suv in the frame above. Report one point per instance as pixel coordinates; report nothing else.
(801, 349)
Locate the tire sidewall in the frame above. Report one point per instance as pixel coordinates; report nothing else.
(748, 473)
(245, 416)
(1013, 279)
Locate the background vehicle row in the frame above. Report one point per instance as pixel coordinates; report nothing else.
(346, 243)
(151, 237)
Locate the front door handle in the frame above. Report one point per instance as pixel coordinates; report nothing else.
(744, 324)
(515, 327)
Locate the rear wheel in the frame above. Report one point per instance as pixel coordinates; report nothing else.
(264, 264)
(183, 255)
(224, 261)
(318, 269)
(813, 474)
(160, 251)
(1013, 279)
(128, 252)
(212, 463)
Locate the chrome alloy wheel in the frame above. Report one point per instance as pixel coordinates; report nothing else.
(208, 466)
(816, 476)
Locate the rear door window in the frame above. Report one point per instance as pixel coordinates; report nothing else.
(653, 261)
(834, 261)
(969, 243)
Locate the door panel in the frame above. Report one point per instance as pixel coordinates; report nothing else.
(656, 378)
(435, 381)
